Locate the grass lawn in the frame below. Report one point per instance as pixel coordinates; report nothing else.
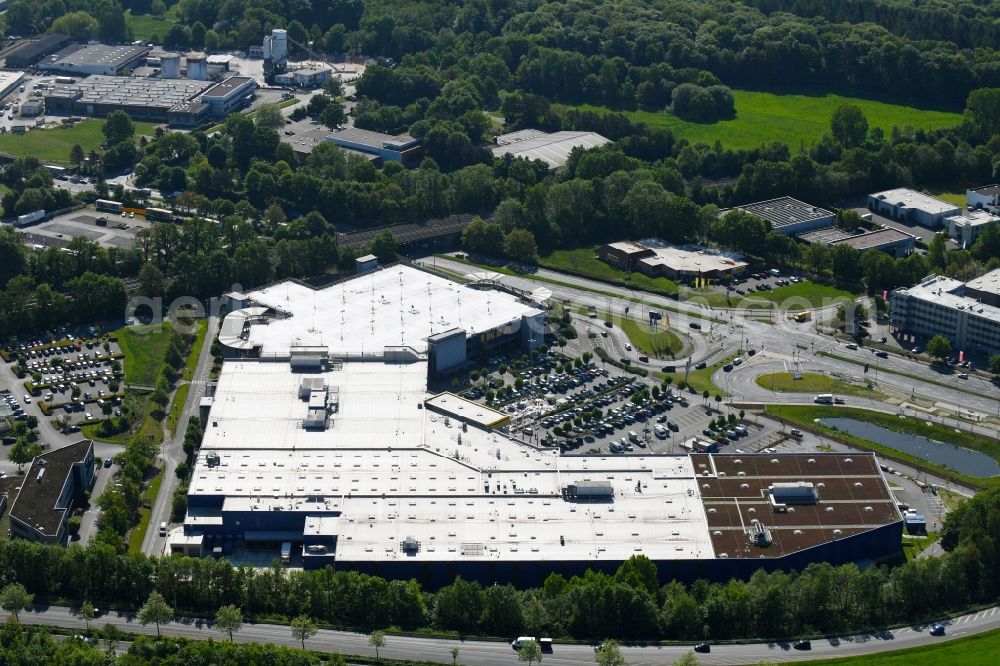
(584, 262)
(806, 416)
(659, 344)
(978, 650)
(54, 144)
(812, 382)
(956, 198)
(146, 26)
(192, 358)
(794, 119)
(914, 545)
(177, 407)
(138, 533)
(144, 350)
(950, 499)
(700, 380)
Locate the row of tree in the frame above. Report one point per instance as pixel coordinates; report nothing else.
(632, 603)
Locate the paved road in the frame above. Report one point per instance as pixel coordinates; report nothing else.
(798, 340)
(477, 653)
(172, 451)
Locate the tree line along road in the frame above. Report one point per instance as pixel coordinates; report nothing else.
(495, 653)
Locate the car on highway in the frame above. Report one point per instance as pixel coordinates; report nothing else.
(937, 630)
(703, 648)
(802, 645)
(695, 325)
(882, 354)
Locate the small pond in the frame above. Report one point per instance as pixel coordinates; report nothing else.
(965, 461)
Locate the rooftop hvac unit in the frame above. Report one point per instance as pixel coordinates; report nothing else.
(410, 545)
(759, 534)
(213, 460)
(800, 492)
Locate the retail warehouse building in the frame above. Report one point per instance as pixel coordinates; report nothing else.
(324, 434)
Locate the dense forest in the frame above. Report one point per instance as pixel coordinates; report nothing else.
(630, 604)
(602, 49)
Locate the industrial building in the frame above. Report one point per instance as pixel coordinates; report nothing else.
(965, 229)
(401, 148)
(986, 198)
(181, 102)
(9, 81)
(229, 95)
(553, 149)
(906, 205)
(27, 52)
(45, 498)
(965, 313)
(307, 77)
(90, 59)
(790, 216)
(891, 241)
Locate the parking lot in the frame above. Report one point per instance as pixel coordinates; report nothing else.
(74, 380)
(584, 408)
(119, 231)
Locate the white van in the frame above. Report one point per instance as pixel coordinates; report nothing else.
(824, 399)
(163, 529)
(633, 436)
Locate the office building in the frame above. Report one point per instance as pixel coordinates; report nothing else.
(44, 501)
(230, 95)
(967, 314)
(965, 229)
(986, 198)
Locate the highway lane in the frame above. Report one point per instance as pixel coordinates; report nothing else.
(494, 653)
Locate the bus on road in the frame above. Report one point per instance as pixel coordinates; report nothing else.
(108, 205)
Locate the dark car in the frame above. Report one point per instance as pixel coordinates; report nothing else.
(728, 367)
(701, 365)
(882, 354)
(702, 647)
(937, 630)
(802, 645)
(695, 325)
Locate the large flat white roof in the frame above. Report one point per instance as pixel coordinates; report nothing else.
(685, 261)
(395, 470)
(989, 282)
(393, 306)
(945, 291)
(903, 196)
(553, 149)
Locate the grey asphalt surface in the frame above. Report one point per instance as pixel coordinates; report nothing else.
(494, 653)
(172, 450)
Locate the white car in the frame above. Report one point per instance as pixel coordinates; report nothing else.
(27, 399)
(88, 416)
